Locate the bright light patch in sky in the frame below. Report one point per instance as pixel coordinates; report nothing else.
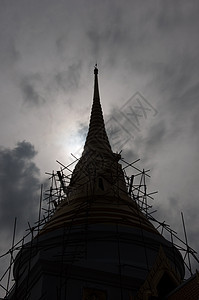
(72, 143)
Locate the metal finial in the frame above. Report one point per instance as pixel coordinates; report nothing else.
(96, 69)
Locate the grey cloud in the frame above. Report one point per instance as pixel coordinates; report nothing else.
(31, 89)
(179, 88)
(24, 150)
(177, 13)
(155, 137)
(189, 99)
(61, 45)
(69, 79)
(102, 41)
(129, 155)
(169, 15)
(83, 130)
(95, 41)
(19, 185)
(195, 124)
(183, 102)
(108, 36)
(9, 54)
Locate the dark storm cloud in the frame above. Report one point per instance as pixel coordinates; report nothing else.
(19, 185)
(31, 89)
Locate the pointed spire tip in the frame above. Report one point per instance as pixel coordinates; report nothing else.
(95, 70)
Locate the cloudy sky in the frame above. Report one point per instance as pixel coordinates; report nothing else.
(147, 54)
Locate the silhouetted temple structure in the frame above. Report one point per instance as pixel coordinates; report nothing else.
(98, 244)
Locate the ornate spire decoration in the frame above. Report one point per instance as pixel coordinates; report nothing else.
(97, 137)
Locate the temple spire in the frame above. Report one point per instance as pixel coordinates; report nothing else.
(96, 87)
(97, 137)
(97, 191)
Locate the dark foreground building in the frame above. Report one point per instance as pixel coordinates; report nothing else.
(98, 245)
